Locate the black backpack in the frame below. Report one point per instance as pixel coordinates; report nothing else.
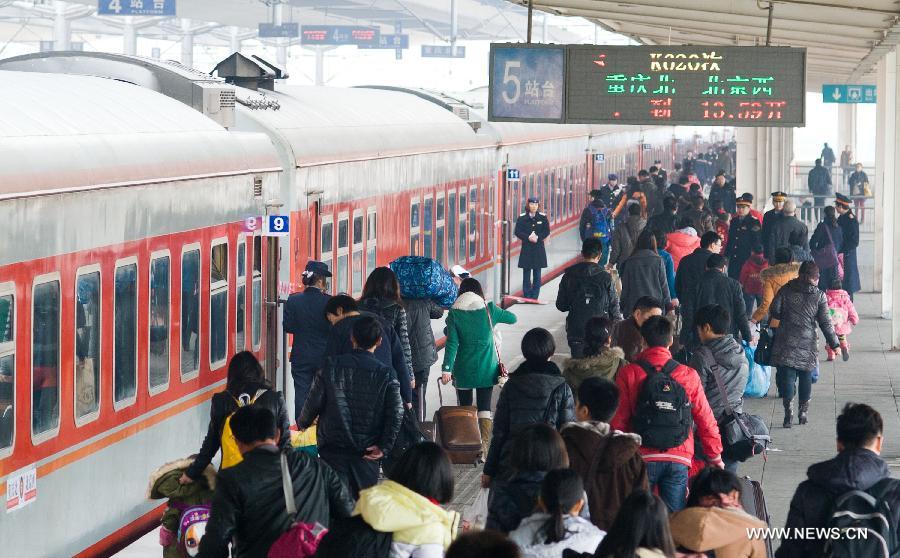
(663, 414)
(589, 299)
(865, 520)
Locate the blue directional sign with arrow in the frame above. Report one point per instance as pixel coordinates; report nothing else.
(848, 93)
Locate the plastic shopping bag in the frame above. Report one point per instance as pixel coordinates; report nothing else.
(475, 515)
(815, 374)
(760, 376)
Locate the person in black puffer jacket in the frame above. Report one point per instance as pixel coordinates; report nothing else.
(419, 313)
(245, 376)
(716, 287)
(248, 507)
(643, 274)
(795, 312)
(536, 392)
(357, 401)
(381, 296)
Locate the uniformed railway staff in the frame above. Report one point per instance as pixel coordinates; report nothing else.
(850, 228)
(743, 235)
(532, 227)
(769, 219)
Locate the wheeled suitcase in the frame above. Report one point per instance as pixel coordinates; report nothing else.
(456, 430)
(753, 501)
(424, 278)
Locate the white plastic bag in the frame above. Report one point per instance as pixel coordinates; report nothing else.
(475, 515)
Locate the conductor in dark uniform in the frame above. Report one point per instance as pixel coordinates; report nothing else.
(769, 219)
(304, 318)
(532, 227)
(743, 235)
(850, 228)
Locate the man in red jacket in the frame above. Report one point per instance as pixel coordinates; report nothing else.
(667, 469)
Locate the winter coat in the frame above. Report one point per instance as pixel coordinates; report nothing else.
(722, 530)
(688, 274)
(643, 274)
(248, 506)
(857, 183)
(743, 235)
(533, 254)
(734, 370)
(610, 464)
(395, 314)
(787, 231)
(222, 406)
(389, 352)
(627, 335)
(851, 469)
(510, 500)
(631, 378)
(725, 195)
(850, 229)
(604, 365)
(419, 313)
(682, 243)
(581, 536)
(769, 220)
(827, 156)
(773, 278)
(164, 484)
(723, 222)
(653, 195)
(669, 265)
(304, 318)
(715, 287)
(573, 283)
(357, 401)
(663, 222)
(819, 181)
(624, 238)
(469, 351)
(841, 311)
(751, 275)
(609, 195)
(586, 223)
(421, 528)
(536, 392)
(702, 220)
(799, 307)
(820, 240)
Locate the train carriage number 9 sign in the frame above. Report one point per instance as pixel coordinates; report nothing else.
(692, 85)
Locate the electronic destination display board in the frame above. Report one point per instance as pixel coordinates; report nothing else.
(690, 85)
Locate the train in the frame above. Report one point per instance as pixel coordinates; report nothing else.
(137, 261)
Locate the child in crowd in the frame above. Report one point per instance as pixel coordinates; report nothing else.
(843, 317)
(750, 278)
(556, 525)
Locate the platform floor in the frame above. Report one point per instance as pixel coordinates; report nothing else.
(872, 376)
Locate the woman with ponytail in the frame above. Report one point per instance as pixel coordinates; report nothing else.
(557, 526)
(600, 359)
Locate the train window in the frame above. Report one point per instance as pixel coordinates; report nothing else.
(473, 224)
(327, 244)
(545, 194)
(256, 312)
(451, 227)
(371, 239)
(357, 263)
(218, 303)
(87, 343)
(343, 254)
(461, 257)
(427, 226)
(7, 368)
(571, 191)
(439, 230)
(414, 227)
(190, 311)
(125, 333)
(158, 346)
(489, 219)
(240, 306)
(45, 356)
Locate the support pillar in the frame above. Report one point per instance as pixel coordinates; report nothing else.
(454, 23)
(846, 128)
(62, 31)
(320, 66)
(129, 37)
(746, 163)
(187, 43)
(878, 177)
(885, 180)
(892, 203)
(234, 38)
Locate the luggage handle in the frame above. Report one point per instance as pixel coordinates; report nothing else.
(441, 394)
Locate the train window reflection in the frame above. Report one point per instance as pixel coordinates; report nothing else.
(371, 240)
(158, 354)
(473, 226)
(451, 227)
(427, 225)
(125, 333)
(190, 312)
(7, 371)
(87, 344)
(256, 313)
(45, 357)
(240, 307)
(218, 303)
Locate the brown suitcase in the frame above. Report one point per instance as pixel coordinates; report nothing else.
(456, 430)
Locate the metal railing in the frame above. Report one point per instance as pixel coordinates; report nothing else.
(839, 177)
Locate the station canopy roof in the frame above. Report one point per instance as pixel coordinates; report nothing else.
(844, 39)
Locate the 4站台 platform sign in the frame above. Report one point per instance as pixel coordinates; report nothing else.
(690, 85)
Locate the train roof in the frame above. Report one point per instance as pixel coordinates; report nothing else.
(69, 132)
(331, 124)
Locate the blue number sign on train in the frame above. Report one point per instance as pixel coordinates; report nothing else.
(599, 157)
(527, 83)
(136, 7)
(277, 225)
(512, 175)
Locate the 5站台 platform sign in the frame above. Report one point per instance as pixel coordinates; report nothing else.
(689, 85)
(527, 83)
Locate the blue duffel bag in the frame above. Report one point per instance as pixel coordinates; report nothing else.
(760, 376)
(424, 278)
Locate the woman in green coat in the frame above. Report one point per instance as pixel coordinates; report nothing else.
(470, 358)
